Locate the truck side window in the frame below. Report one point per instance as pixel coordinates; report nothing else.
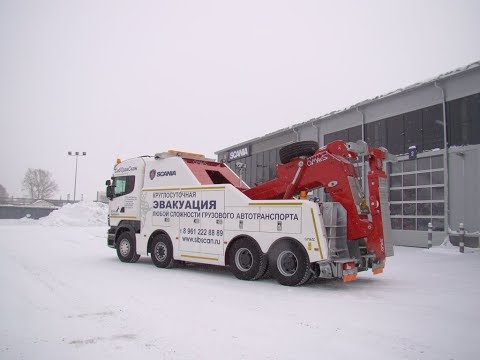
(124, 185)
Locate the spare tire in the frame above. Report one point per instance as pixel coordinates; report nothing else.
(301, 148)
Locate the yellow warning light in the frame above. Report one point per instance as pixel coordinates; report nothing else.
(364, 207)
(185, 153)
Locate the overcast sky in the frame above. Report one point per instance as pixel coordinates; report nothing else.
(128, 78)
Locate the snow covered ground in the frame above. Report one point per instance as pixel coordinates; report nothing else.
(65, 295)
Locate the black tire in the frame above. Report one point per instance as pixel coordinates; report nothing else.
(311, 279)
(268, 271)
(289, 263)
(162, 251)
(246, 259)
(295, 150)
(126, 250)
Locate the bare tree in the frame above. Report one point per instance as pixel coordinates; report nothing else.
(39, 184)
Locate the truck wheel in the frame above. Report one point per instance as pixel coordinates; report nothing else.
(246, 259)
(300, 148)
(162, 251)
(268, 271)
(290, 264)
(126, 248)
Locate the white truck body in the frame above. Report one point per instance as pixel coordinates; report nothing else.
(201, 220)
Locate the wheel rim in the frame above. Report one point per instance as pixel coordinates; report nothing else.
(244, 259)
(124, 247)
(287, 263)
(160, 251)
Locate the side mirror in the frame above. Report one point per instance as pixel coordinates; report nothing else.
(108, 182)
(110, 192)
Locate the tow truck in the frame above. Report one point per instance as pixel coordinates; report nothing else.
(179, 207)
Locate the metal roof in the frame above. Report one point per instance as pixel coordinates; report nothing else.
(417, 85)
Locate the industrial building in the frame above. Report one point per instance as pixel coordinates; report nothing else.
(434, 128)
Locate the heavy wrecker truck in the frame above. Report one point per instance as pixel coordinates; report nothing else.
(181, 207)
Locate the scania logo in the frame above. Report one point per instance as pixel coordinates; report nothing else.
(167, 173)
(239, 153)
(153, 172)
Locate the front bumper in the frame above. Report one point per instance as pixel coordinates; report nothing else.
(111, 240)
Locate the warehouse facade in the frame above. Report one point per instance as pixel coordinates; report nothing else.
(439, 186)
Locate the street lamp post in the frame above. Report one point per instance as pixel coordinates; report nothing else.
(76, 154)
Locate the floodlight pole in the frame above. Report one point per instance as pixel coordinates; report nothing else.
(76, 154)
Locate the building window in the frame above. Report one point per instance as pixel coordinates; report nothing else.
(260, 167)
(413, 130)
(272, 166)
(351, 134)
(251, 170)
(421, 128)
(355, 133)
(464, 120)
(337, 135)
(395, 135)
(417, 194)
(432, 134)
(376, 134)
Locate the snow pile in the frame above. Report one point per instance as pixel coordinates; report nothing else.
(446, 243)
(447, 248)
(79, 214)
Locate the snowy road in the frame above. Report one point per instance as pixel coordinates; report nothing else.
(65, 295)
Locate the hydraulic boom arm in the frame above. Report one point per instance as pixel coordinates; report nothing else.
(330, 167)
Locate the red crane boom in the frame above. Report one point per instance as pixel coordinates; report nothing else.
(331, 167)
